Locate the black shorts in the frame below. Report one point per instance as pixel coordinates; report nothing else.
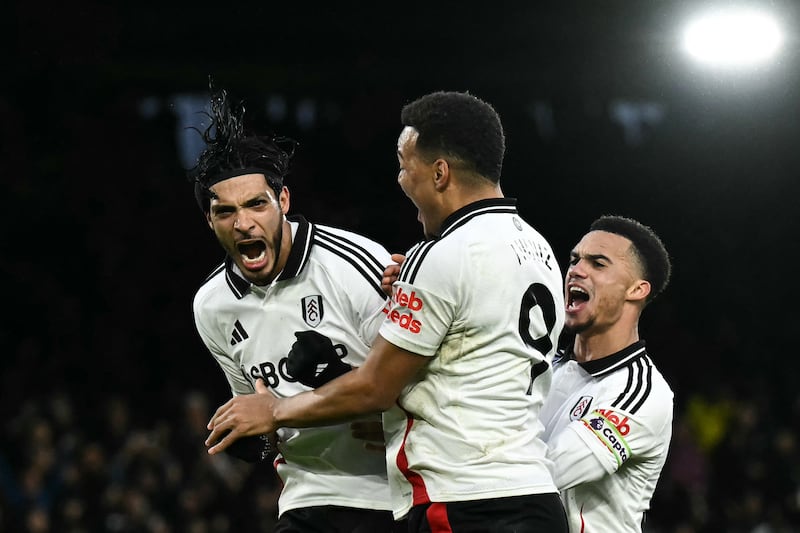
(335, 519)
(535, 513)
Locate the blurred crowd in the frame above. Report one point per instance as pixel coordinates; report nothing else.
(155, 478)
(734, 467)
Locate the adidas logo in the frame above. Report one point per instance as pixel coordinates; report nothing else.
(239, 334)
(320, 368)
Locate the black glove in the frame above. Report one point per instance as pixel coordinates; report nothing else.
(314, 360)
(253, 449)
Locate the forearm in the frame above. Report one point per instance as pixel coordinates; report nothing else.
(369, 389)
(347, 397)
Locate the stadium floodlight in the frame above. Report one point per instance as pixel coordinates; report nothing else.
(733, 37)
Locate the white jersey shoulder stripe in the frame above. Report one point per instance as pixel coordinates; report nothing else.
(365, 263)
(410, 267)
(638, 386)
(352, 247)
(647, 369)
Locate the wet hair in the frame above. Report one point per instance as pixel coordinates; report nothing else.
(231, 150)
(459, 125)
(647, 248)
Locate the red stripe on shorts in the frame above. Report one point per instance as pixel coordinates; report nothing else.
(437, 518)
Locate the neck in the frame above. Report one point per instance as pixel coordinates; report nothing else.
(485, 191)
(463, 196)
(590, 346)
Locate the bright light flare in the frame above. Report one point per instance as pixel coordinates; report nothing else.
(733, 38)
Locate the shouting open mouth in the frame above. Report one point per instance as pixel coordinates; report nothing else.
(576, 297)
(253, 253)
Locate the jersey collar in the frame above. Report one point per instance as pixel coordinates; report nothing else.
(599, 367)
(608, 364)
(298, 256)
(480, 207)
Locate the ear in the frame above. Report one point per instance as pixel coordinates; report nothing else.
(441, 176)
(208, 220)
(639, 290)
(283, 200)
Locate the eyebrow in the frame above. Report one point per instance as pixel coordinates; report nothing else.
(247, 203)
(573, 254)
(216, 208)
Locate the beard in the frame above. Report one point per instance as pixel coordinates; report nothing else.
(277, 240)
(576, 328)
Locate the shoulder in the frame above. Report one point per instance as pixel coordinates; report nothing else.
(349, 245)
(348, 259)
(437, 261)
(640, 389)
(210, 289)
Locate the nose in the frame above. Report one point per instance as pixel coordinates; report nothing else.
(242, 222)
(575, 270)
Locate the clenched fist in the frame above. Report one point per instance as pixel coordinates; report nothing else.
(314, 360)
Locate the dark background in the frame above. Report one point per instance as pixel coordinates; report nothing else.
(104, 246)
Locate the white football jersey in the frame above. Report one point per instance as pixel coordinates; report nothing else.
(331, 285)
(484, 302)
(608, 424)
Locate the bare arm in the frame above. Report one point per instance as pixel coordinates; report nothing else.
(371, 388)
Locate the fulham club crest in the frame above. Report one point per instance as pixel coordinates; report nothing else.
(312, 310)
(581, 408)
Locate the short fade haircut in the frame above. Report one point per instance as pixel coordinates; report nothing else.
(461, 126)
(231, 150)
(647, 248)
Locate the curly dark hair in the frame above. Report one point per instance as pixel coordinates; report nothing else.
(231, 150)
(459, 125)
(647, 247)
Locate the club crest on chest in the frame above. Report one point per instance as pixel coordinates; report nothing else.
(312, 309)
(580, 408)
